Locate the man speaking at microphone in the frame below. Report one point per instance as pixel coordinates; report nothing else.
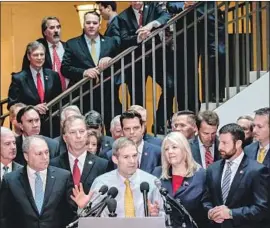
(127, 178)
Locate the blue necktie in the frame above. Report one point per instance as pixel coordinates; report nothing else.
(39, 194)
(226, 182)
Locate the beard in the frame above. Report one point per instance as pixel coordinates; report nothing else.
(227, 155)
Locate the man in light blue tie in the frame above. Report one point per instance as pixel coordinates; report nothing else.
(36, 195)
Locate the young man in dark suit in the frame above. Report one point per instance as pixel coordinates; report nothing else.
(136, 24)
(149, 155)
(237, 187)
(54, 47)
(83, 165)
(204, 146)
(29, 121)
(36, 195)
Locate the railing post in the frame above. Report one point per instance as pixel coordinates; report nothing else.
(154, 82)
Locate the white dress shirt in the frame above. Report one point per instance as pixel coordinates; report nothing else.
(234, 167)
(2, 169)
(81, 161)
(60, 52)
(203, 151)
(32, 178)
(140, 151)
(114, 179)
(266, 150)
(34, 75)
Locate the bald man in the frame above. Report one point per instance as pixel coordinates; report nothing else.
(8, 152)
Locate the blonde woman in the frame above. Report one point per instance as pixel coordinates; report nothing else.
(182, 177)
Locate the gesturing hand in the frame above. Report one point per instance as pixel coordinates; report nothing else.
(79, 197)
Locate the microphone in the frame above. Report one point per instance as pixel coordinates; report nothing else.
(112, 204)
(103, 189)
(112, 193)
(144, 187)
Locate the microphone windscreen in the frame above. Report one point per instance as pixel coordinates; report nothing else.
(111, 204)
(158, 183)
(103, 189)
(113, 191)
(144, 187)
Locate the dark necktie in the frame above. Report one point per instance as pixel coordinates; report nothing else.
(57, 67)
(76, 173)
(140, 18)
(40, 88)
(5, 168)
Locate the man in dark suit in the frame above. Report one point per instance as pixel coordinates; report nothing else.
(149, 155)
(71, 110)
(54, 47)
(136, 24)
(8, 152)
(85, 166)
(259, 150)
(94, 122)
(36, 85)
(29, 121)
(86, 56)
(237, 187)
(115, 128)
(146, 137)
(204, 146)
(36, 195)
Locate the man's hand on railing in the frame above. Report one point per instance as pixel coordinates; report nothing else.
(92, 73)
(104, 63)
(41, 108)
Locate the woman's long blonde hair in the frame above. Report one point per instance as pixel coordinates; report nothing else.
(180, 140)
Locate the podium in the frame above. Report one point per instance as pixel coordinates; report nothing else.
(146, 222)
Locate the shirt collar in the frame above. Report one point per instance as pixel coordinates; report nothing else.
(110, 20)
(201, 144)
(137, 11)
(131, 179)
(81, 158)
(32, 172)
(266, 147)
(9, 166)
(34, 71)
(97, 39)
(237, 160)
(50, 45)
(140, 147)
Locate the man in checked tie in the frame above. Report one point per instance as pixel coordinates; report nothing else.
(237, 192)
(127, 179)
(36, 195)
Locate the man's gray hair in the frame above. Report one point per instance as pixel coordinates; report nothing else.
(69, 108)
(33, 46)
(5, 130)
(120, 143)
(115, 121)
(28, 140)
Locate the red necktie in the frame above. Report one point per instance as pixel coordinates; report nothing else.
(208, 156)
(76, 173)
(40, 88)
(57, 67)
(140, 18)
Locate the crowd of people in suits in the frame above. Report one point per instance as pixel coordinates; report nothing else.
(220, 176)
(51, 65)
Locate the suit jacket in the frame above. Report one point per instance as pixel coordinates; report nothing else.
(15, 166)
(53, 146)
(248, 196)
(252, 152)
(48, 59)
(23, 88)
(94, 166)
(129, 24)
(113, 30)
(190, 194)
(151, 157)
(77, 57)
(17, 204)
(195, 149)
(152, 140)
(62, 145)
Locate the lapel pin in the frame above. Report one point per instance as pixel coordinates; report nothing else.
(186, 183)
(52, 177)
(145, 153)
(102, 40)
(146, 6)
(106, 144)
(90, 162)
(46, 77)
(241, 172)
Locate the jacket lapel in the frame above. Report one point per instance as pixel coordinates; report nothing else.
(64, 161)
(184, 185)
(197, 154)
(217, 180)
(237, 180)
(84, 49)
(168, 185)
(102, 47)
(30, 82)
(145, 14)
(49, 186)
(47, 83)
(144, 157)
(26, 186)
(133, 17)
(88, 164)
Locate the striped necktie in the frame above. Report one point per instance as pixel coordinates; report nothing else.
(208, 156)
(129, 203)
(225, 187)
(39, 193)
